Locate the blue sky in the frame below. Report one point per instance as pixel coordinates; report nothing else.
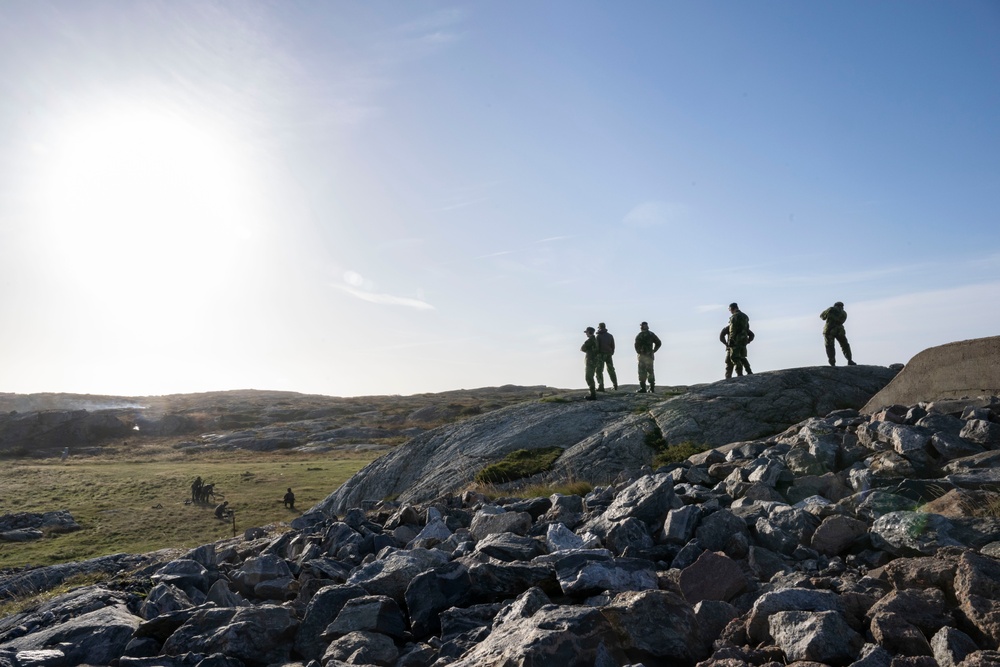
(389, 198)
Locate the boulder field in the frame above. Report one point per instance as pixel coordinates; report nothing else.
(843, 539)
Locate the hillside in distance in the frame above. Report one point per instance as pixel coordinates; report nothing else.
(39, 424)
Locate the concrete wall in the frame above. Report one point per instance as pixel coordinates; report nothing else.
(956, 370)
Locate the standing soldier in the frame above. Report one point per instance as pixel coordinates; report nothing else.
(724, 339)
(606, 350)
(590, 348)
(739, 336)
(196, 490)
(646, 345)
(833, 330)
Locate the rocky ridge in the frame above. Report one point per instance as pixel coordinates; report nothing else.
(845, 539)
(608, 437)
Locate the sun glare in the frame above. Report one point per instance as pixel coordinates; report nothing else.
(142, 198)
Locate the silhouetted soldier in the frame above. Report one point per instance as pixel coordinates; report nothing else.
(646, 345)
(724, 339)
(591, 348)
(196, 490)
(222, 510)
(290, 499)
(606, 350)
(833, 330)
(739, 336)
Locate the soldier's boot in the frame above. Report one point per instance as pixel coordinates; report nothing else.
(847, 354)
(747, 367)
(614, 379)
(642, 389)
(729, 373)
(601, 388)
(739, 371)
(652, 388)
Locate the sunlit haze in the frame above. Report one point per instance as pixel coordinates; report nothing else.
(354, 198)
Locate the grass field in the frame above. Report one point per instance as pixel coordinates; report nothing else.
(135, 501)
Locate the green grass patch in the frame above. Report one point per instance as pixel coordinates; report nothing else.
(35, 600)
(140, 502)
(677, 453)
(518, 465)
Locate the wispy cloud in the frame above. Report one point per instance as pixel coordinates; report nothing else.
(386, 299)
(784, 275)
(655, 213)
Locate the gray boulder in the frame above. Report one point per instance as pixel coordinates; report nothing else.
(254, 635)
(822, 637)
(554, 635)
(93, 638)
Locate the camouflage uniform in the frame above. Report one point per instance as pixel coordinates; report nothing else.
(833, 330)
(739, 336)
(606, 346)
(591, 348)
(646, 345)
(724, 339)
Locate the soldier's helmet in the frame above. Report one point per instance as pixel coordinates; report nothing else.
(589, 330)
(839, 304)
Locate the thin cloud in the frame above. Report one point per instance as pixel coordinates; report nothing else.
(386, 299)
(655, 214)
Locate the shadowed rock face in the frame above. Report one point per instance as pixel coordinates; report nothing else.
(604, 438)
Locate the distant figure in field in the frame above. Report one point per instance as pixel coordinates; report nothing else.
(591, 348)
(290, 499)
(724, 339)
(739, 336)
(196, 490)
(207, 491)
(646, 345)
(606, 350)
(65, 454)
(833, 330)
(222, 510)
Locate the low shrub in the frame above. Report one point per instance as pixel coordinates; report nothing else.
(677, 453)
(518, 465)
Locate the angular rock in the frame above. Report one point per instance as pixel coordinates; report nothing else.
(714, 576)
(906, 533)
(951, 646)
(581, 574)
(391, 575)
(320, 612)
(554, 635)
(484, 524)
(789, 599)
(362, 648)
(370, 613)
(431, 592)
(253, 635)
(655, 625)
(823, 637)
(836, 534)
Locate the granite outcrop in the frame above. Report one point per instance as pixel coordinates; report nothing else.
(842, 539)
